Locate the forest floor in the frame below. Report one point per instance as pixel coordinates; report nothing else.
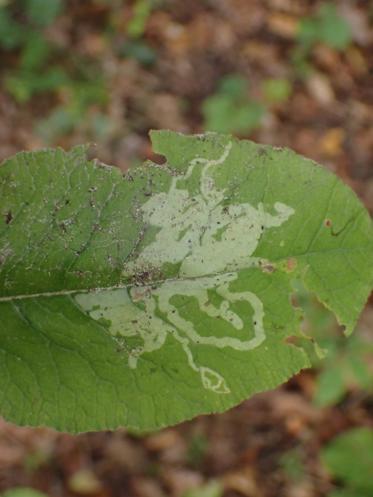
(121, 69)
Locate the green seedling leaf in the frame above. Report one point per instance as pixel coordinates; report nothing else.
(330, 386)
(141, 12)
(234, 85)
(276, 90)
(225, 115)
(349, 458)
(35, 53)
(334, 29)
(23, 84)
(230, 110)
(346, 367)
(293, 466)
(146, 299)
(346, 493)
(138, 50)
(210, 489)
(12, 33)
(43, 12)
(328, 27)
(22, 492)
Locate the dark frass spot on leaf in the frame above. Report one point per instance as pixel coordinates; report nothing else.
(8, 217)
(193, 281)
(266, 267)
(328, 223)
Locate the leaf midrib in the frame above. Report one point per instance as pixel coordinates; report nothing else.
(61, 293)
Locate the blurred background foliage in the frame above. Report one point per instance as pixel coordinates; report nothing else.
(294, 73)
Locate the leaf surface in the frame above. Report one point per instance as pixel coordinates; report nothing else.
(146, 299)
(349, 458)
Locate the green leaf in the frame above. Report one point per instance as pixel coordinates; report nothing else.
(349, 457)
(277, 90)
(35, 53)
(330, 386)
(346, 367)
(138, 50)
(22, 492)
(292, 465)
(141, 12)
(348, 492)
(234, 85)
(211, 489)
(224, 115)
(12, 33)
(308, 32)
(43, 12)
(327, 26)
(23, 85)
(334, 29)
(230, 110)
(146, 299)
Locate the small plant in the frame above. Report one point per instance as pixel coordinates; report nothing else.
(146, 299)
(328, 27)
(344, 364)
(349, 459)
(22, 492)
(35, 72)
(42, 67)
(276, 90)
(80, 96)
(292, 464)
(209, 489)
(141, 12)
(230, 109)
